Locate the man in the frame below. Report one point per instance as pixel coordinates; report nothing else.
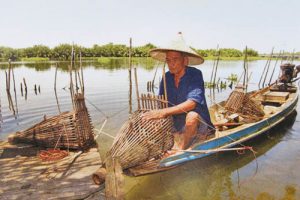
(185, 93)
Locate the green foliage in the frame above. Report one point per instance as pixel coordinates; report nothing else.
(36, 51)
(63, 52)
(9, 53)
(250, 52)
(226, 52)
(231, 52)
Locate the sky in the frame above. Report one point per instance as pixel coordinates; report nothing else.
(259, 24)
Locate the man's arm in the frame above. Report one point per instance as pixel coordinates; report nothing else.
(184, 107)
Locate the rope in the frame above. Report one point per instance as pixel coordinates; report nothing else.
(105, 133)
(52, 154)
(240, 150)
(97, 108)
(253, 175)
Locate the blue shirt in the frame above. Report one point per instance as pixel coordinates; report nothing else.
(191, 87)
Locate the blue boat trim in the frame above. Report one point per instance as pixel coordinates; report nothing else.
(234, 138)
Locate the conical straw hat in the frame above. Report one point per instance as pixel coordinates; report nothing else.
(177, 45)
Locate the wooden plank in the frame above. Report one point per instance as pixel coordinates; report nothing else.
(276, 97)
(30, 178)
(114, 180)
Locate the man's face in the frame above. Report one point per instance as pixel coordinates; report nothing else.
(176, 62)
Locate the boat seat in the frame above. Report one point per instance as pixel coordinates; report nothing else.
(269, 110)
(275, 97)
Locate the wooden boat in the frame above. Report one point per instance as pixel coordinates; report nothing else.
(278, 105)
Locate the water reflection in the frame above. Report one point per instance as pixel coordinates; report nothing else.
(103, 63)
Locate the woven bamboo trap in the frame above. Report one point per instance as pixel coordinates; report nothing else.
(139, 141)
(242, 103)
(72, 130)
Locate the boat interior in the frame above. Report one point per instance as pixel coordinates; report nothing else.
(271, 100)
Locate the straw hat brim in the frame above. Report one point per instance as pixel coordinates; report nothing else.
(160, 54)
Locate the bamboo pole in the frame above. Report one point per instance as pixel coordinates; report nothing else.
(55, 76)
(261, 77)
(57, 103)
(9, 72)
(71, 78)
(154, 77)
(216, 68)
(21, 86)
(165, 83)
(75, 72)
(9, 99)
(25, 86)
(130, 76)
(15, 91)
(78, 74)
(267, 71)
(213, 70)
(137, 89)
(10, 102)
(81, 70)
(6, 81)
(271, 77)
(245, 71)
(35, 89)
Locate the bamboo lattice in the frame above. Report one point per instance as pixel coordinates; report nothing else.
(72, 129)
(235, 101)
(242, 103)
(139, 141)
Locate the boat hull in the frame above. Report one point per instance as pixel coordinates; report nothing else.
(234, 138)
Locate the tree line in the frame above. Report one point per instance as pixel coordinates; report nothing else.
(63, 51)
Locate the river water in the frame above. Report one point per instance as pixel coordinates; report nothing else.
(272, 174)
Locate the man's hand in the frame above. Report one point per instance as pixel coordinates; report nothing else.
(154, 114)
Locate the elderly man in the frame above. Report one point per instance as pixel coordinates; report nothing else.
(185, 92)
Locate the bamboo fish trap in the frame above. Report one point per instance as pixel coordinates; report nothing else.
(72, 130)
(139, 141)
(242, 103)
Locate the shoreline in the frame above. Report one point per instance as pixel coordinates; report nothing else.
(105, 59)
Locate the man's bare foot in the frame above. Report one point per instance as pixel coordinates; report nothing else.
(169, 153)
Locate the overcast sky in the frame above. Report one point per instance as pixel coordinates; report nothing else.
(259, 24)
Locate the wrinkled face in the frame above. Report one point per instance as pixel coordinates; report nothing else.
(176, 61)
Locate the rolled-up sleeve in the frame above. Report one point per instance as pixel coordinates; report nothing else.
(196, 89)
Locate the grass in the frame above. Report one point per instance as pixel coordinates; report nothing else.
(35, 59)
(233, 58)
